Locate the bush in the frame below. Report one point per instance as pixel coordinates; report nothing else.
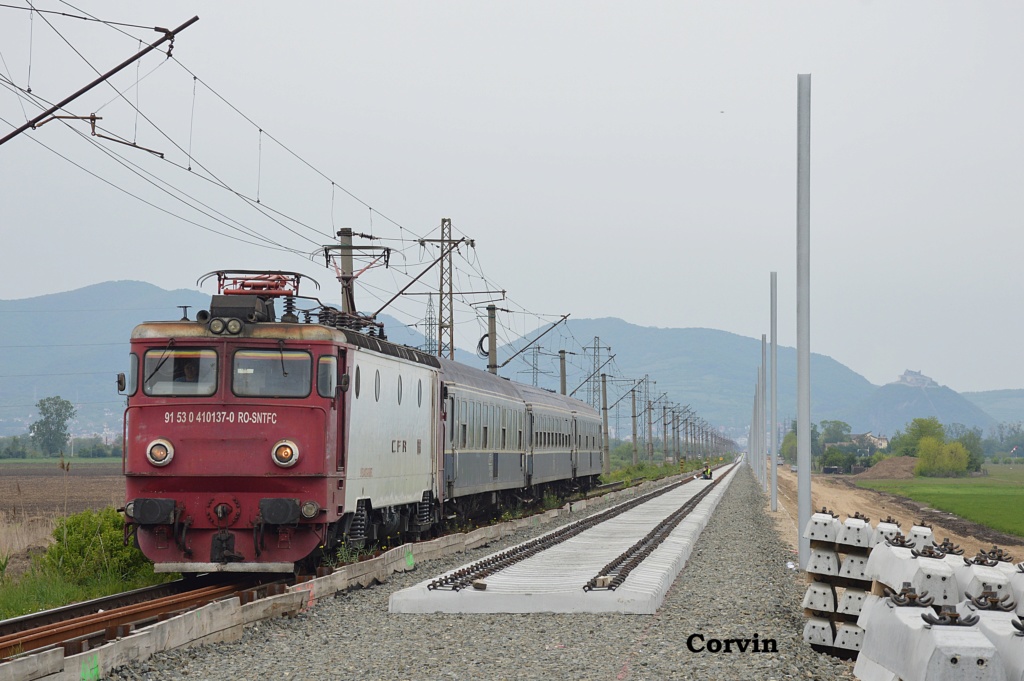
(89, 546)
(936, 459)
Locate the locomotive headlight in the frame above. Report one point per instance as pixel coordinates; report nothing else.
(285, 453)
(310, 509)
(160, 452)
(217, 326)
(234, 326)
(129, 509)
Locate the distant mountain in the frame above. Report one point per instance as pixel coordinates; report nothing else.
(914, 395)
(1005, 406)
(73, 344)
(713, 371)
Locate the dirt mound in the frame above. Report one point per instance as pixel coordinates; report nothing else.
(896, 468)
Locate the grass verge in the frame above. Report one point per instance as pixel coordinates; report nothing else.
(993, 500)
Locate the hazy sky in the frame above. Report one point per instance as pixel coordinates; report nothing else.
(634, 160)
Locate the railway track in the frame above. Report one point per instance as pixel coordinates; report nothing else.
(621, 566)
(82, 626)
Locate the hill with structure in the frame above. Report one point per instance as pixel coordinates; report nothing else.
(914, 395)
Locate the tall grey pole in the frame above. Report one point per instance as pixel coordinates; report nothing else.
(347, 294)
(803, 313)
(492, 329)
(764, 410)
(606, 464)
(632, 394)
(664, 431)
(561, 371)
(773, 430)
(650, 431)
(758, 463)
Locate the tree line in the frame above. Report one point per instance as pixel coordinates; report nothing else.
(940, 449)
(49, 436)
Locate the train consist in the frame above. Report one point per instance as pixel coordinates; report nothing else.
(255, 443)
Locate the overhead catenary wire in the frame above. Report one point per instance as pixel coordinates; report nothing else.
(513, 325)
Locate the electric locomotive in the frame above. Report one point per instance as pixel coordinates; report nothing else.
(254, 442)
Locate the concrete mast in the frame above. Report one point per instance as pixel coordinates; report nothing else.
(803, 313)
(773, 441)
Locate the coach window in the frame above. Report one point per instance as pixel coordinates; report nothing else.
(399, 388)
(376, 386)
(327, 376)
(133, 374)
(419, 393)
(357, 383)
(180, 372)
(271, 373)
(478, 424)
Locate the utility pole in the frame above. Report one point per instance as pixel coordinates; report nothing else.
(561, 371)
(446, 305)
(348, 298)
(632, 394)
(535, 363)
(650, 431)
(492, 344)
(430, 327)
(803, 314)
(593, 392)
(773, 443)
(606, 464)
(664, 431)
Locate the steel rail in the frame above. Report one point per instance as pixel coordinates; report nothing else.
(119, 621)
(620, 567)
(463, 578)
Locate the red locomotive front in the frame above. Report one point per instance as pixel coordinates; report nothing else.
(233, 460)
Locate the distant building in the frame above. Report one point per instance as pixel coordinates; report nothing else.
(867, 440)
(916, 379)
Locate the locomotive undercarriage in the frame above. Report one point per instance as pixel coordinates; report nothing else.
(366, 528)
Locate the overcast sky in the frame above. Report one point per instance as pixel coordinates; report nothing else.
(632, 160)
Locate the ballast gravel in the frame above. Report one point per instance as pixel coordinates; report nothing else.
(735, 585)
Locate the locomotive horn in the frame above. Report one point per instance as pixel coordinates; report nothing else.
(203, 316)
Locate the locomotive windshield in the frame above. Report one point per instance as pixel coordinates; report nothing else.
(180, 372)
(271, 373)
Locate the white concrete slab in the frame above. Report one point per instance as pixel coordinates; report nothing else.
(552, 581)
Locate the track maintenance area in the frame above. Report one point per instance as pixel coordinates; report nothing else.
(607, 567)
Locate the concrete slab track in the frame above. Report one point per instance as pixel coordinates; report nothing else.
(552, 581)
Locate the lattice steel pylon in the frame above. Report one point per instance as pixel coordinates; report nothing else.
(430, 327)
(594, 385)
(446, 310)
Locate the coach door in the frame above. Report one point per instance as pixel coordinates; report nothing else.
(341, 404)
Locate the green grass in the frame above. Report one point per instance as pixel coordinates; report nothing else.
(649, 471)
(42, 589)
(994, 500)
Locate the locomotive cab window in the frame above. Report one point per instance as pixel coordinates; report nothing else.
(271, 373)
(179, 372)
(327, 376)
